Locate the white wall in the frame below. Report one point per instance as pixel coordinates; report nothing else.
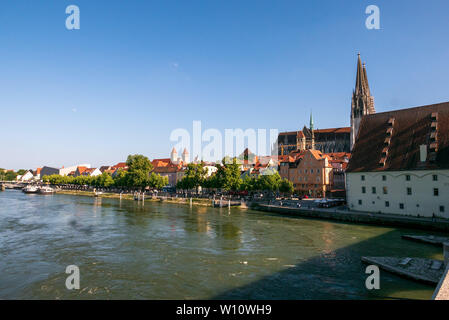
(66, 171)
(422, 185)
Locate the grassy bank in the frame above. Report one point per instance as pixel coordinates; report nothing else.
(185, 201)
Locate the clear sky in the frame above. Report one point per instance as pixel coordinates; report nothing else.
(138, 69)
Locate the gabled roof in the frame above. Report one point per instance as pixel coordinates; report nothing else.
(81, 169)
(390, 141)
(105, 168)
(120, 165)
(161, 162)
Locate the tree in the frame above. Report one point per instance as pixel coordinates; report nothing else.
(227, 176)
(268, 182)
(249, 184)
(21, 172)
(156, 181)
(194, 177)
(233, 178)
(139, 168)
(121, 179)
(104, 180)
(286, 186)
(138, 162)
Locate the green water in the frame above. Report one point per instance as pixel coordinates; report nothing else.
(162, 251)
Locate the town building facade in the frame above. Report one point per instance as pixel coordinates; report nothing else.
(400, 163)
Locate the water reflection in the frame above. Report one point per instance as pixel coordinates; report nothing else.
(127, 250)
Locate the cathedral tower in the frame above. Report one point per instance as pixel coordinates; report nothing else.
(174, 155)
(362, 100)
(312, 145)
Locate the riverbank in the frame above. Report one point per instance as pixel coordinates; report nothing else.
(128, 196)
(359, 217)
(315, 213)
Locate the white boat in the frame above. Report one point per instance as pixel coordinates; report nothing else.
(30, 189)
(46, 190)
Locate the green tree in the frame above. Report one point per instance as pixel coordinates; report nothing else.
(121, 179)
(286, 186)
(138, 162)
(10, 176)
(139, 168)
(249, 184)
(21, 172)
(194, 177)
(233, 178)
(268, 182)
(104, 180)
(156, 181)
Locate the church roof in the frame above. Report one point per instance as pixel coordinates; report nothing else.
(390, 141)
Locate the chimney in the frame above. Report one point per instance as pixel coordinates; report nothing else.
(423, 152)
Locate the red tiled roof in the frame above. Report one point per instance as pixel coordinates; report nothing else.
(334, 130)
(161, 162)
(81, 169)
(390, 141)
(120, 165)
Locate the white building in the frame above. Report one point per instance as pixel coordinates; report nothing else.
(27, 176)
(400, 163)
(65, 171)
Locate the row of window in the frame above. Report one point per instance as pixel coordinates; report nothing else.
(306, 179)
(407, 177)
(311, 170)
(436, 191)
(401, 205)
(305, 185)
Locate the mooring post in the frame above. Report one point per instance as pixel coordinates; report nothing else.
(190, 201)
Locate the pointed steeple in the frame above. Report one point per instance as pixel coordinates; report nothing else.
(312, 143)
(365, 80)
(359, 80)
(362, 100)
(311, 122)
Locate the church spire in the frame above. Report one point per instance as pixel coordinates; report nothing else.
(311, 122)
(360, 77)
(362, 101)
(312, 144)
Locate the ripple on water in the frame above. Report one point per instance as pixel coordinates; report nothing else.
(163, 251)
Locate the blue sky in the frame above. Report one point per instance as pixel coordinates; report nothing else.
(136, 70)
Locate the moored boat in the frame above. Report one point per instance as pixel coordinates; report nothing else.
(46, 190)
(30, 189)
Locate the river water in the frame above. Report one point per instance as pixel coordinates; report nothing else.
(163, 251)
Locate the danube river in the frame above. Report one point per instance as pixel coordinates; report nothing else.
(163, 251)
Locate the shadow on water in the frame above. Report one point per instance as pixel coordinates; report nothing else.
(339, 274)
(128, 250)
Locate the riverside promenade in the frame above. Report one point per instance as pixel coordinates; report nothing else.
(358, 217)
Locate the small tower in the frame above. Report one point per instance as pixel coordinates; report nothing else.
(312, 144)
(185, 156)
(362, 100)
(174, 155)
